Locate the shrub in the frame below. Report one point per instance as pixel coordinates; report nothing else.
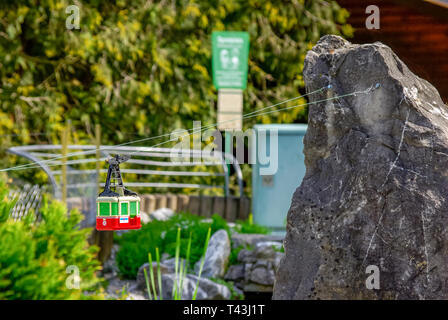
(34, 256)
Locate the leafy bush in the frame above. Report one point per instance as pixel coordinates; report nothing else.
(136, 244)
(148, 60)
(142, 58)
(34, 256)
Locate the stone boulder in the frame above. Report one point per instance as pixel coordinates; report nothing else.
(251, 239)
(165, 268)
(256, 271)
(145, 218)
(216, 256)
(161, 214)
(207, 289)
(376, 185)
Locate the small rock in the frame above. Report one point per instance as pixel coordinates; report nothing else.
(214, 291)
(162, 214)
(262, 275)
(258, 267)
(251, 239)
(265, 252)
(235, 273)
(274, 244)
(144, 217)
(110, 268)
(207, 290)
(216, 256)
(255, 287)
(165, 256)
(141, 281)
(135, 296)
(246, 256)
(171, 263)
(129, 288)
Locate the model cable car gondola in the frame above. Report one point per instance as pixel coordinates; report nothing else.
(118, 209)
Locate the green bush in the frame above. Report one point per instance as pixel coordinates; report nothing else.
(148, 60)
(34, 256)
(135, 245)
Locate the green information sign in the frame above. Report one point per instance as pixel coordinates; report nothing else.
(230, 53)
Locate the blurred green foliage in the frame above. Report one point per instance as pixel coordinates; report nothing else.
(148, 61)
(142, 68)
(34, 256)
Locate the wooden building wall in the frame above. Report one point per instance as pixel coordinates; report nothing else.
(417, 31)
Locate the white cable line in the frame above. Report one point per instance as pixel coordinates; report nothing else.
(251, 114)
(202, 128)
(31, 165)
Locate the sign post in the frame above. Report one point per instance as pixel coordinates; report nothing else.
(230, 54)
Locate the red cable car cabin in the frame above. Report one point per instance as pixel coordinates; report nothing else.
(117, 210)
(118, 213)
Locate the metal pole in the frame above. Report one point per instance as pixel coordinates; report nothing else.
(228, 148)
(98, 153)
(64, 142)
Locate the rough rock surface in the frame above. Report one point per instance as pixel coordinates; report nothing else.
(216, 256)
(376, 185)
(256, 271)
(251, 239)
(207, 290)
(165, 268)
(161, 214)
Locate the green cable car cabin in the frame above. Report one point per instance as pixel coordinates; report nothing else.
(118, 213)
(117, 209)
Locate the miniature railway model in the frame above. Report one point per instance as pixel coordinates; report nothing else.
(117, 209)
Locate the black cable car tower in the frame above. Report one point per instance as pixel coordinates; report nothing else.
(114, 171)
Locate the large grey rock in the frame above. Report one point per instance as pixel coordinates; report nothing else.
(376, 184)
(216, 256)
